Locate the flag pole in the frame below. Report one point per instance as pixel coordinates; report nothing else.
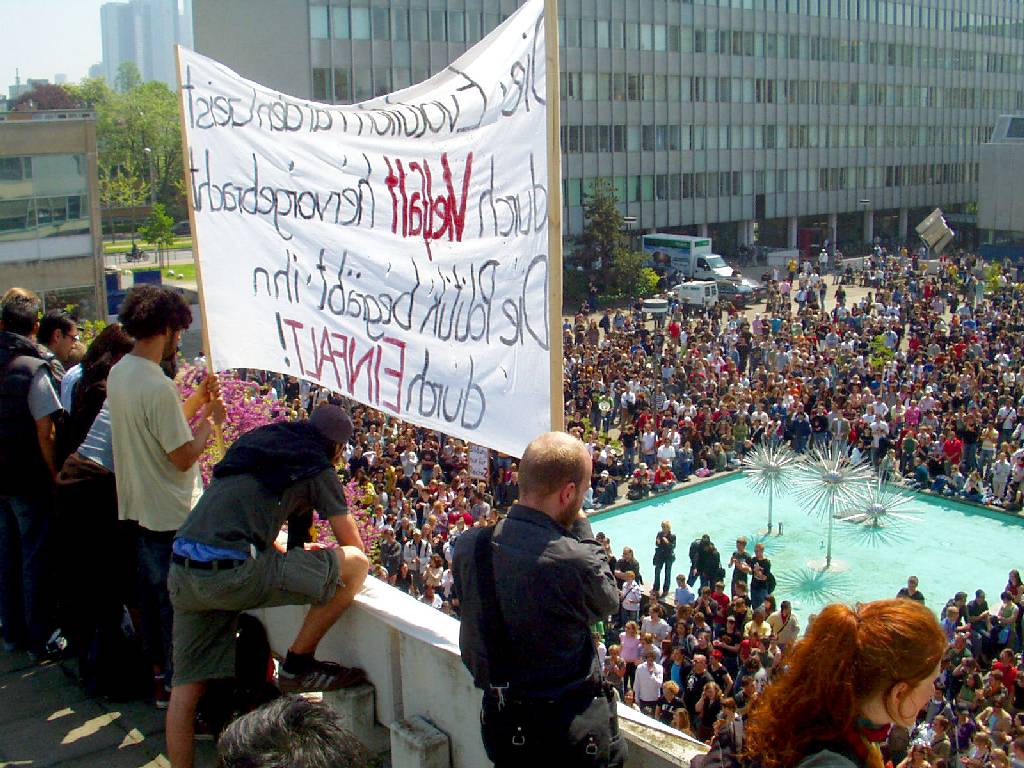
(205, 331)
(554, 119)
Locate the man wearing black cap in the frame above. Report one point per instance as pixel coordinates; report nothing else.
(224, 562)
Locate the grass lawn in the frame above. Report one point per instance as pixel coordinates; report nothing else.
(125, 246)
(186, 270)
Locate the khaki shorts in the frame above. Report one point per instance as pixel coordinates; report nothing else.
(207, 604)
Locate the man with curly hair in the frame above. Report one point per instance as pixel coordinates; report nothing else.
(155, 452)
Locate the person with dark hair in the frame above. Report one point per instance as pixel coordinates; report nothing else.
(86, 515)
(58, 332)
(290, 732)
(29, 412)
(530, 590)
(853, 675)
(224, 562)
(155, 452)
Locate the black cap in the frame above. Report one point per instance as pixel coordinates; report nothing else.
(333, 422)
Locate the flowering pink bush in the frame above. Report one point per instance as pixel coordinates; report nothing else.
(323, 534)
(248, 407)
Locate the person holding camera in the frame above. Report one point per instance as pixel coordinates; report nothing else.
(531, 588)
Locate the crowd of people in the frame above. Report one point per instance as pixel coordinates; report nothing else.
(921, 376)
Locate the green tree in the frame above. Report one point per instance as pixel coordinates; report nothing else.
(128, 77)
(603, 233)
(146, 116)
(92, 91)
(604, 247)
(157, 229)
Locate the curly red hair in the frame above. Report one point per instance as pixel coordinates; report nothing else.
(845, 658)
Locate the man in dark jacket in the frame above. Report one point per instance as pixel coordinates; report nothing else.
(530, 590)
(29, 410)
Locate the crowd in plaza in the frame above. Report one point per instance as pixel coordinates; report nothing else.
(922, 377)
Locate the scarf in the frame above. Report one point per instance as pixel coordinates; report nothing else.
(864, 739)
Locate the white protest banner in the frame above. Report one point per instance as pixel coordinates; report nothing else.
(395, 251)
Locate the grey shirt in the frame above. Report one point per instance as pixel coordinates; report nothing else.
(552, 584)
(42, 397)
(238, 511)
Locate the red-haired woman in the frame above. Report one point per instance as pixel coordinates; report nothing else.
(853, 675)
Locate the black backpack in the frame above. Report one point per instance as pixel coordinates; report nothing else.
(252, 686)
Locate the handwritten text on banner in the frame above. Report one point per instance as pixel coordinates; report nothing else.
(394, 251)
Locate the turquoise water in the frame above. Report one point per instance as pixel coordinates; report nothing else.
(950, 547)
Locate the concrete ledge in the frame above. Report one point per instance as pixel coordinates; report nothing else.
(355, 708)
(416, 743)
(411, 654)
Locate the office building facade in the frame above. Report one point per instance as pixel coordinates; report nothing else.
(50, 237)
(742, 118)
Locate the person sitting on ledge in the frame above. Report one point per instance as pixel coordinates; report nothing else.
(663, 477)
(607, 489)
(640, 485)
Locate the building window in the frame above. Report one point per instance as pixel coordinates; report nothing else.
(362, 88)
(15, 168)
(437, 27)
(321, 84)
(318, 26)
(360, 24)
(381, 81)
(418, 26)
(339, 22)
(342, 86)
(381, 24)
(400, 24)
(456, 27)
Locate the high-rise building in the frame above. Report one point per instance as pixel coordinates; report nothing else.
(118, 38)
(145, 33)
(788, 120)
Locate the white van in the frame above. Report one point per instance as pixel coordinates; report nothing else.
(697, 293)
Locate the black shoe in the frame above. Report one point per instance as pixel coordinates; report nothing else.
(321, 676)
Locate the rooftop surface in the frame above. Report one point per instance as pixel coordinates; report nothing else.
(47, 720)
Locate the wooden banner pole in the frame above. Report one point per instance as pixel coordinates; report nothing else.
(205, 331)
(554, 120)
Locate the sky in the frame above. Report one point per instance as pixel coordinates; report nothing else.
(44, 37)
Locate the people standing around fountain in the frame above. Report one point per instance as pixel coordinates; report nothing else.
(708, 565)
(785, 629)
(524, 636)
(630, 598)
(740, 562)
(664, 557)
(762, 581)
(911, 592)
(847, 682)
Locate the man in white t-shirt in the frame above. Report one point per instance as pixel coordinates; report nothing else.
(155, 451)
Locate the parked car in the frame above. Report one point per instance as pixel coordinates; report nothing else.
(737, 293)
(182, 228)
